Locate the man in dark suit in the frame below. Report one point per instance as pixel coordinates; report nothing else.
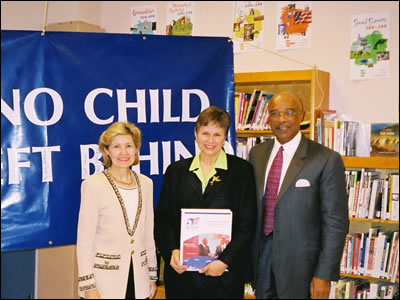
(221, 247)
(204, 249)
(300, 236)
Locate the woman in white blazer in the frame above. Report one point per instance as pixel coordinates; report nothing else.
(115, 243)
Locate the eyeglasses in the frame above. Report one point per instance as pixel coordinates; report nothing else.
(287, 114)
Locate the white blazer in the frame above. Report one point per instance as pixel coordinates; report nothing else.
(106, 244)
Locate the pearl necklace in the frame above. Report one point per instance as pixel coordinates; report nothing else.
(121, 181)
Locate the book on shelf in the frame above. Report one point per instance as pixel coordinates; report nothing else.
(251, 107)
(373, 253)
(380, 254)
(203, 232)
(348, 138)
(385, 255)
(237, 109)
(363, 245)
(352, 193)
(370, 250)
(372, 193)
(261, 112)
(259, 106)
(360, 288)
(325, 115)
(385, 139)
(343, 261)
(350, 141)
(393, 259)
(243, 99)
(394, 197)
(319, 135)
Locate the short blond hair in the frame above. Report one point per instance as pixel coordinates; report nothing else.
(114, 130)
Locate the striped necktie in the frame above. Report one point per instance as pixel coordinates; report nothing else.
(271, 191)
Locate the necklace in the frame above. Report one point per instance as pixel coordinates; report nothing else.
(121, 181)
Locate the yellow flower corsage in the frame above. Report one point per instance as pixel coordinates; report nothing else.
(215, 179)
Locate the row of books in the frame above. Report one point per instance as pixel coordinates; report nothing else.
(351, 288)
(340, 136)
(244, 145)
(374, 253)
(251, 110)
(351, 138)
(372, 197)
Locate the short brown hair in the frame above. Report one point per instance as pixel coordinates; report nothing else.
(214, 114)
(114, 130)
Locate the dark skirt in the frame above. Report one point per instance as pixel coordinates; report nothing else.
(130, 288)
(193, 285)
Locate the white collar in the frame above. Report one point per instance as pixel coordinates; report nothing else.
(289, 147)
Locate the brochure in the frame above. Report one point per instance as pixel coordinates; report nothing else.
(205, 233)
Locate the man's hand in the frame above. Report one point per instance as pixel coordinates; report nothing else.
(176, 262)
(215, 268)
(320, 288)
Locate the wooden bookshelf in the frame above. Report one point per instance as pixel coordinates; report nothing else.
(366, 277)
(371, 162)
(312, 86)
(383, 163)
(373, 220)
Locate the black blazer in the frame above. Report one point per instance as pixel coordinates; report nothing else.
(182, 189)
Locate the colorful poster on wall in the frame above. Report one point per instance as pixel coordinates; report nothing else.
(294, 25)
(370, 50)
(180, 18)
(143, 19)
(248, 26)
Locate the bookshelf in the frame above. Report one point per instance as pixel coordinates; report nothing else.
(312, 86)
(389, 164)
(371, 162)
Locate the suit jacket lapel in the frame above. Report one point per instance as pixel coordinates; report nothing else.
(295, 166)
(196, 184)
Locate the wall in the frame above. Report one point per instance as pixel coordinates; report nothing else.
(367, 101)
(329, 51)
(28, 15)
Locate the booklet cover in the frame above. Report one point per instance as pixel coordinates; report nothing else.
(385, 139)
(205, 233)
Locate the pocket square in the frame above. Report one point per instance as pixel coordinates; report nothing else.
(302, 183)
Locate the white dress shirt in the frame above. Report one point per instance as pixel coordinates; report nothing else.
(289, 149)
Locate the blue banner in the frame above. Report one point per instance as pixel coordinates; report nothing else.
(60, 91)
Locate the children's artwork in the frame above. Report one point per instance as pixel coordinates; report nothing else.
(370, 50)
(180, 18)
(248, 26)
(294, 26)
(143, 19)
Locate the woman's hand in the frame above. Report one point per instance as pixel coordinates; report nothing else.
(153, 289)
(176, 262)
(215, 268)
(92, 294)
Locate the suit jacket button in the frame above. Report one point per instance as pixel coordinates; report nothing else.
(132, 252)
(132, 241)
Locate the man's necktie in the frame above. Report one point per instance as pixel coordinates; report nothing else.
(271, 191)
